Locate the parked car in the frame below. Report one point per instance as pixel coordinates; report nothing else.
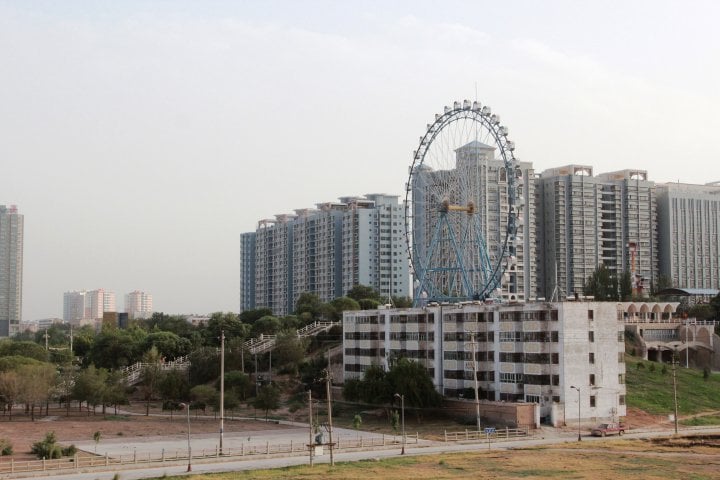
(608, 429)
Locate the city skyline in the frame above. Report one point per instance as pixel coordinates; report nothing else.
(143, 137)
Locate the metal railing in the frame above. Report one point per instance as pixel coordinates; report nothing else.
(174, 456)
(493, 434)
(131, 374)
(264, 343)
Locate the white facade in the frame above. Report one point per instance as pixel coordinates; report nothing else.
(326, 250)
(84, 307)
(525, 352)
(585, 220)
(138, 304)
(689, 230)
(487, 188)
(11, 269)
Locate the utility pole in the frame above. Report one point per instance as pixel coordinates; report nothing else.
(222, 388)
(475, 377)
(675, 391)
(328, 380)
(311, 444)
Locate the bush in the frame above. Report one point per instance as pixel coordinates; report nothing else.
(652, 367)
(6, 447)
(706, 374)
(69, 451)
(663, 370)
(48, 447)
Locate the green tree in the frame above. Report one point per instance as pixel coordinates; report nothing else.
(342, 304)
(369, 304)
(36, 383)
(402, 302)
(602, 284)
(308, 303)
(173, 385)
(150, 377)
(362, 292)
(251, 316)
(289, 350)
(168, 344)
(115, 392)
(702, 311)
(202, 396)
(237, 382)
(227, 322)
(90, 386)
(625, 286)
(47, 448)
(409, 378)
(9, 347)
(266, 326)
(268, 398)
(9, 389)
(204, 365)
(113, 348)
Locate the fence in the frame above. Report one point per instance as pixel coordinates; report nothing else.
(501, 434)
(293, 448)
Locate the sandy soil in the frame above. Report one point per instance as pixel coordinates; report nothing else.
(23, 432)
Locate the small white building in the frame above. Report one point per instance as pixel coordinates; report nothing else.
(553, 354)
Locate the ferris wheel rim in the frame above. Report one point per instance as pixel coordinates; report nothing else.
(498, 133)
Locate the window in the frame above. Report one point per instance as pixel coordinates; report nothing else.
(591, 336)
(592, 401)
(590, 314)
(592, 379)
(592, 357)
(621, 378)
(621, 336)
(621, 399)
(621, 357)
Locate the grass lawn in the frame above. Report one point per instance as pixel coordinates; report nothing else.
(610, 460)
(652, 391)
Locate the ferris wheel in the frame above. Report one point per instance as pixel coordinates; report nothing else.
(461, 208)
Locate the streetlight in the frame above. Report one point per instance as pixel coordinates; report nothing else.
(186, 406)
(402, 409)
(578, 390)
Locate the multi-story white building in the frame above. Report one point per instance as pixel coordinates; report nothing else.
(535, 352)
(689, 234)
(138, 304)
(11, 269)
(85, 307)
(585, 220)
(325, 250)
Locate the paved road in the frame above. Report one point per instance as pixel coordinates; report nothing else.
(546, 437)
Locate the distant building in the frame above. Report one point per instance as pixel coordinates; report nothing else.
(85, 307)
(689, 234)
(11, 269)
(138, 304)
(247, 271)
(326, 250)
(585, 221)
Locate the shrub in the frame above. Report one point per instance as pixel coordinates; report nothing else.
(706, 374)
(652, 367)
(663, 370)
(48, 447)
(69, 451)
(5, 447)
(640, 366)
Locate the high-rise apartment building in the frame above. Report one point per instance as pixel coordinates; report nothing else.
(247, 271)
(326, 250)
(11, 269)
(585, 220)
(480, 179)
(138, 304)
(689, 234)
(81, 307)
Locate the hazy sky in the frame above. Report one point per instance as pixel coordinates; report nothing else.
(139, 139)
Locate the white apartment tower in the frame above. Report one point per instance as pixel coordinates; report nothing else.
(84, 307)
(247, 271)
(486, 185)
(138, 304)
(11, 269)
(689, 234)
(585, 220)
(325, 250)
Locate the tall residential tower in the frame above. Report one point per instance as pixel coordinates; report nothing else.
(11, 269)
